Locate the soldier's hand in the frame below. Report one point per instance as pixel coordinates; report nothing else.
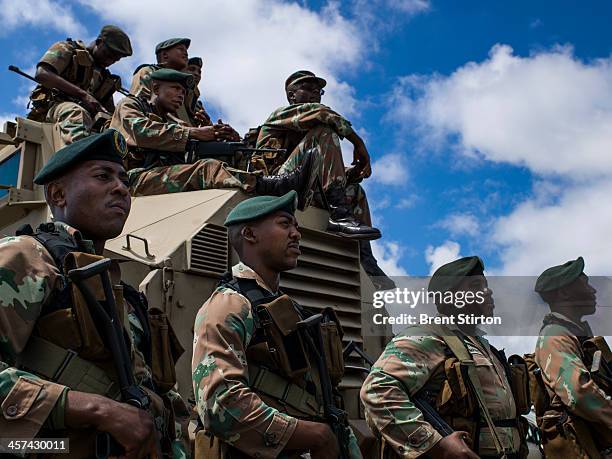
(203, 134)
(316, 437)
(453, 446)
(329, 448)
(226, 132)
(361, 161)
(202, 117)
(91, 104)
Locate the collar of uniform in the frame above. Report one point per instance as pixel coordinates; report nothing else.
(584, 326)
(246, 272)
(85, 244)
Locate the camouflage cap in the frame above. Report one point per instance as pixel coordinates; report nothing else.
(167, 44)
(186, 79)
(260, 206)
(560, 276)
(195, 61)
(448, 276)
(107, 146)
(304, 75)
(116, 39)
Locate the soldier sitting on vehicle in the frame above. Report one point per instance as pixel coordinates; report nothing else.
(573, 387)
(75, 83)
(157, 139)
(194, 106)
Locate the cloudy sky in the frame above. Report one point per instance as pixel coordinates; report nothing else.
(489, 123)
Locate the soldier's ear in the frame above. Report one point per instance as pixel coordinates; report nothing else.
(248, 234)
(55, 194)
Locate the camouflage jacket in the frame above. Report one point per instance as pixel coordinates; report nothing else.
(28, 279)
(411, 363)
(228, 408)
(142, 128)
(568, 382)
(286, 126)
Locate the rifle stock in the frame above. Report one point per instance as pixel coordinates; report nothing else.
(229, 152)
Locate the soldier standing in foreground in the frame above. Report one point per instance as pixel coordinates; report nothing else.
(574, 406)
(254, 402)
(75, 83)
(57, 377)
(305, 125)
(157, 139)
(430, 363)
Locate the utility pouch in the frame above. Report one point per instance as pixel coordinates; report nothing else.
(332, 333)
(278, 320)
(455, 398)
(81, 72)
(537, 391)
(165, 350)
(563, 436)
(519, 382)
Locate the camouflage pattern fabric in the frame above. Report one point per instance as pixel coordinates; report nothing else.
(300, 127)
(192, 105)
(228, 408)
(141, 81)
(567, 380)
(408, 364)
(28, 278)
(204, 174)
(72, 121)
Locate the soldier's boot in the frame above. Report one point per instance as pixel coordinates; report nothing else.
(341, 220)
(380, 280)
(299, 180)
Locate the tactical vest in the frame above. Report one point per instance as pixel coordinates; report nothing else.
(278, 359)
(454, 390)
(564, 434)
(82, 72)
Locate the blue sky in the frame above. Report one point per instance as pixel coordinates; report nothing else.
(474, 112)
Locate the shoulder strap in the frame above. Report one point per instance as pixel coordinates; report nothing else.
(141, 306)
(459, 349)
(155, 67)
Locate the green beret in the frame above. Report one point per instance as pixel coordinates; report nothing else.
(186, 79)
(116, 39)
(107, 146)
(167, 44)
(304, 75)
(195, 61)
(260, 206)
(448, 276)
(559, 276)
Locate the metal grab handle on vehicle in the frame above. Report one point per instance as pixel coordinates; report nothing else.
(128, 246)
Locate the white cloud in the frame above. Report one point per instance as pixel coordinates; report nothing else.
(390, 169)
(248, 47)
(550, 111)
(388, 255)
(39, 13)
(410, 7)
(442, 254)
(458, 224)
(407, 202)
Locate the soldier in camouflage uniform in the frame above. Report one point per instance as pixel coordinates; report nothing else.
(56, 377)
(424, 362)
(248, 404)
(305, 125)
(157, 139)
(575, 416)
(194, 106)
(75, 84)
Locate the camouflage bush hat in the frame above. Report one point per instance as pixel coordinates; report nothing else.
(116, 39)
(107, 146)
(167, 44)
(195, 61)
(304, 75)
(186, 79)
(260, 206)
(450, 275)
(560, 276)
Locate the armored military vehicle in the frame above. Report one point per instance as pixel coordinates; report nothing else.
(175, 248)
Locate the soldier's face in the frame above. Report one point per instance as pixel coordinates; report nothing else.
(481, 297)
(306, 92)
(196, 71)
(103, 55)
(176, 57)
(581, 295)
(170, 95)
(94, 198)
(278, 241)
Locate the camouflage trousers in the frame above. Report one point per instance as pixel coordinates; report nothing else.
(204, 174)
(72, 122)
(330, 166)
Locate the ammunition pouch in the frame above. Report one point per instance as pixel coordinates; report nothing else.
(81, 70)
(278, 320)
(109, 85)
(165, 350)
(456, 399)
(519, 382)
(332, 333)
(566, 436)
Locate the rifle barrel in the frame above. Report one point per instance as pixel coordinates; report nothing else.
(18, 71)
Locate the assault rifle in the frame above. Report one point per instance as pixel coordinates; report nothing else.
(334, 416)
(111, 330)
(232, 153)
